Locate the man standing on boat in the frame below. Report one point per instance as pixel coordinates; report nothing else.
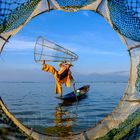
(63, 76)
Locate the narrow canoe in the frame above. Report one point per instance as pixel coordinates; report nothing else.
(72, 97)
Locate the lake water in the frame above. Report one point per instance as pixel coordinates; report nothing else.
(36, 105)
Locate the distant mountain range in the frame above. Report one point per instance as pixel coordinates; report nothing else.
(39, 76)
(121, 76)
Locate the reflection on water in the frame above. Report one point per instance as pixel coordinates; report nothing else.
(63, 123)
(35, 105)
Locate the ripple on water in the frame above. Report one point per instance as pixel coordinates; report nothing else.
(38, 108)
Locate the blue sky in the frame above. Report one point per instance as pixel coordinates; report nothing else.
(86, 33)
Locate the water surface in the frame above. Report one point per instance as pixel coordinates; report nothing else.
(36, 106)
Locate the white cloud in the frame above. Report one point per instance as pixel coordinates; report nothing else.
(85, 14)
(88, 50)
(100, 52)
(19, 45)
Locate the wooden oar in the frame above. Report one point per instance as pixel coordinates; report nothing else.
(73, 83)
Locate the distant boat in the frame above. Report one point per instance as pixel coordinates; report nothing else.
(82, 93)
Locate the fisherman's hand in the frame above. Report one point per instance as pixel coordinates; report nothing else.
(42, 62)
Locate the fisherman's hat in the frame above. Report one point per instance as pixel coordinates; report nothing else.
(69, 63)
(60, 63)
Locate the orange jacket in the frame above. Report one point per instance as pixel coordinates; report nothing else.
(63, 76)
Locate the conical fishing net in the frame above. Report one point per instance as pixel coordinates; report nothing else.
(51, 52)
(124, 17)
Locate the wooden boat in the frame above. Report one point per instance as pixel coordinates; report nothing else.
(82, 93)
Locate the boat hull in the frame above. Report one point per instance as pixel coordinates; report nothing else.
(72, 97)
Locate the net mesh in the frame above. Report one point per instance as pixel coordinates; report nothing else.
(14, 13)
(8, 129)
(138, 79)
(73, 4)
(124, 17)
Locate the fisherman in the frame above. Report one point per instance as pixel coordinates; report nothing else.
(63, 76)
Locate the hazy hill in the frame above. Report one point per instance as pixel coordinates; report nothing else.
(39, 76)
